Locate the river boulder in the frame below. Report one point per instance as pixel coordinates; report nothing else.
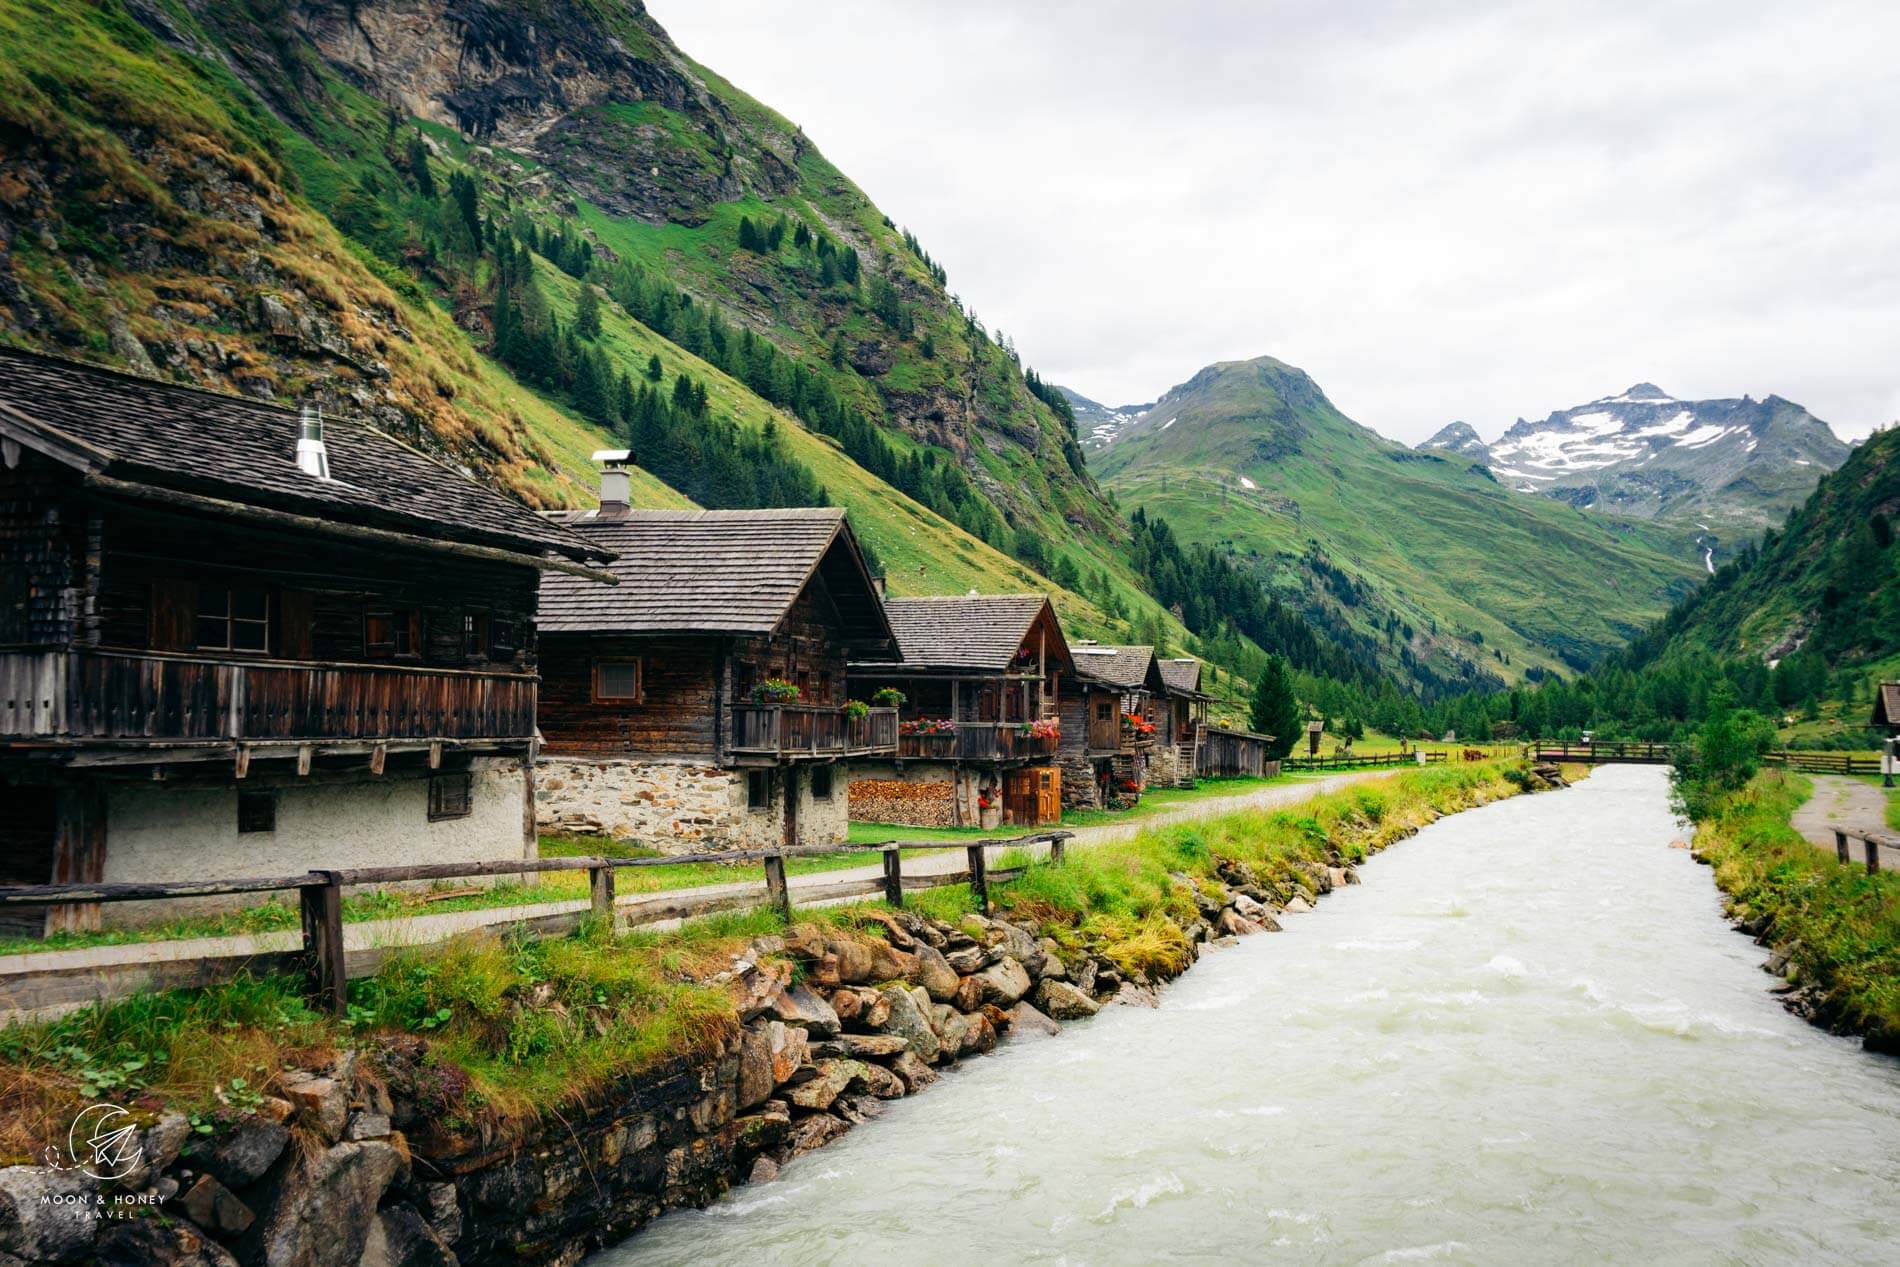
(934, 973)
(1064, 1002)
(1004, 981)
(46, 1215)
(800, 1006)
(909, 1021)
(1025, 1021)
(834, 1076)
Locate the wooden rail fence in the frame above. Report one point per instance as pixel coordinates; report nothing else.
(325, 966)
(1370, 761)
(1871, 844)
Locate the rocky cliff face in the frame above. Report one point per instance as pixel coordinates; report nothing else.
(1459, 438)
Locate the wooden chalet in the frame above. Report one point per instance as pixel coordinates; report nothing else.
(238, 641)
(980, 678)
(703, 699)
(1109, 757)
(1184, 706)
(1887, 717)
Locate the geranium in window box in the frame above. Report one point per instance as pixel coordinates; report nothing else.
(775, 690)
(856, 710)
(928, 726)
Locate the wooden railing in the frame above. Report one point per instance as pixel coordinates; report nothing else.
(1370, 761)
(1591, 753)
(85, 694)
(327, 967)
(1824, 762)
(810, 730)
(1871, 844)
(978, 741)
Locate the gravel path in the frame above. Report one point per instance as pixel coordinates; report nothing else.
(1851, 804)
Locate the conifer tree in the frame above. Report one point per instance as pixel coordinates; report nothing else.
(587, 313)
(1275, 711)
(655, 371)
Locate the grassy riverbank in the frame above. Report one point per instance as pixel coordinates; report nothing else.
(1838, 926)
(510, 1028)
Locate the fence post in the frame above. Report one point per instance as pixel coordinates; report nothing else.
(1840, 844)
(600, 891)
(894, 876)
(776, 890)
(1056, 849)
(980, 878)
(324, 967)
(1872, 847)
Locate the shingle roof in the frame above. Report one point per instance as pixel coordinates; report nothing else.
(1887, 704)
(713, 572)
(1125, 667)
(963, 631)
(1182, 677)
(189, 440)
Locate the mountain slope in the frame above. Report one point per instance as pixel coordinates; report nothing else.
(393, 209)
(1718, 468)
(1420, 559)
(1828, 580)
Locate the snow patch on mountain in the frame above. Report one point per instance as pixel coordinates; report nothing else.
(1096, 425)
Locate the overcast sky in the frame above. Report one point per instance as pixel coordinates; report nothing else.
(1458, 210)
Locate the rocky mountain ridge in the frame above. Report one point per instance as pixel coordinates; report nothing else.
(1097, 424)
(1732, 466)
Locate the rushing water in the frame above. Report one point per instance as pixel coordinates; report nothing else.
(1528, 1037)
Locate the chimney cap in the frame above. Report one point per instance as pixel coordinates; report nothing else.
(612, 457)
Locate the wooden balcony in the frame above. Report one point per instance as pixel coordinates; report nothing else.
(87, 697)
(978, 741)
(783, 732)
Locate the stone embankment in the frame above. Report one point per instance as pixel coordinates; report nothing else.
(367, 1161)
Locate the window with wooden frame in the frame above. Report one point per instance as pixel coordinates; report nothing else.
(1104, 710)
(451, 795)
(617, 681)
(758, 791)
(257, 812)
(392, 635)
(475, 635)
(232, 619)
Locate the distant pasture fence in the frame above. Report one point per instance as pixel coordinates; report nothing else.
(327, 965)
(1370, 761)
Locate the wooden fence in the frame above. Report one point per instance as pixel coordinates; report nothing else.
(1824, 762)
(1871, 845)
(327, 969)
(1370, 761)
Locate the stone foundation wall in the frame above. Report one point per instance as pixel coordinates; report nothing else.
(325, 820)
(683, 807)
(1078, 783)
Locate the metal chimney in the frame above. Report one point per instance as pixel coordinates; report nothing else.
(312, 457)
(616, 485)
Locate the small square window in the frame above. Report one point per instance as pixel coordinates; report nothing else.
(257, 812)
(821, 783)
(758, 790)
(618, 680)
(450, 795)
(475, 635)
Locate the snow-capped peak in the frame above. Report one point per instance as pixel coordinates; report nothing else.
(1640, 394)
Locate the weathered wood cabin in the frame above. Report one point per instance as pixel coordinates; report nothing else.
(1226, 753)
(702, 700)
(1110, 731)
(1887, 717)
(980, 678)
(239, 642)
(1183, 706)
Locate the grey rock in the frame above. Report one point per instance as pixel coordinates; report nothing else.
(46, 1215)
(1233, 924)
(1052, 965)
(241, 1158)
(756, 1080)
(882, 1083)
(764, 1170)
(443, 1208)
(935, 974)
(814, 1132)
(1004, 981)
(156, 1243)
(325, 1209)
(1298, 906)
(127, 345)
(1132, 995)
(1018, 944)
(401, 1237)
(801, 1007)
(872, 1046)
(1064, 1002)
(212, 1207)
(834, 1076)
(952, 1028)
(968, 959)
(368, 1125)
(913, 1072)
(910, 1022)
(1026, 1022)
(322, 1105)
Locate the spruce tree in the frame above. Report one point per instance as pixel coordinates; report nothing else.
(587, 313)
(655, 371)
(1275, 711)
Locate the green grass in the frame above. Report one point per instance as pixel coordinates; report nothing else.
(1154, 801)
(1840, 924)
(1428, 540)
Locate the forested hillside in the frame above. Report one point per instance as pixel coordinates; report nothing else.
(514, 236)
